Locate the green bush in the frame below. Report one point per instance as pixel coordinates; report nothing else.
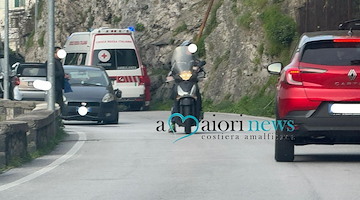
(139, 27)
(117, 19)
(280, 29)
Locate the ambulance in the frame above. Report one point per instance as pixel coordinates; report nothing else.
(115, 50)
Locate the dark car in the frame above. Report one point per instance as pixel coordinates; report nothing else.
(319, 92)
(92, 97)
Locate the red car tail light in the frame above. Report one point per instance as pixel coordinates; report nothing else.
(347, 40)
(293, 77)
(16, 81)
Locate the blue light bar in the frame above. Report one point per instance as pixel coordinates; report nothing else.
(131, 28)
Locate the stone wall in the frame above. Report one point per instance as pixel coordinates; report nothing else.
(13, 141)
(11, 109)
(27, 132)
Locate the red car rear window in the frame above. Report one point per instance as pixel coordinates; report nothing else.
(333, 54)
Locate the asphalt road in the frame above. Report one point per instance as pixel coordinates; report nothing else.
(133, 160)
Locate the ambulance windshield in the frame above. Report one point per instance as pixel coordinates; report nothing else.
(116, 59)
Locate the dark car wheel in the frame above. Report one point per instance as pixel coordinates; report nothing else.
(284, 148)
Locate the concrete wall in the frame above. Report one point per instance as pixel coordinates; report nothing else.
(26, 132)
(11, 109)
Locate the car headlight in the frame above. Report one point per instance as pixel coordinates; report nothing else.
(185, 75)
(108, 97)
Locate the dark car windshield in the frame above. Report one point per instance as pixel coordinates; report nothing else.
(116, 59)
(87, 77)
(332, 53)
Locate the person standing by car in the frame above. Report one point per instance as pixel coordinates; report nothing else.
(59, 79)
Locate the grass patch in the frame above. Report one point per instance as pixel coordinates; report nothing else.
(162, 105)
(261, 49)
(234, 8)
(257, 4)
(221, 59)
(117, 19)
(30, 41)
(201, 47)
(41, 39)
(261, 104)
(211, 25)
(139, 27)
(245, 20)
(179, 29)
(41, 5)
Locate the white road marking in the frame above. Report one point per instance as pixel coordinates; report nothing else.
(51, 166)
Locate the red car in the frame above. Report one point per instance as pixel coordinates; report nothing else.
(319, 92)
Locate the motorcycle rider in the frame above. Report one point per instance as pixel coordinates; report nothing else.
(198, 65)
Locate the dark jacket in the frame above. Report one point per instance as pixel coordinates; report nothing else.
(59, 75)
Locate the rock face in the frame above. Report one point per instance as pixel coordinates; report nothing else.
(235, 53)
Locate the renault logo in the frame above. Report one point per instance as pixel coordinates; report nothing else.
(352, 74)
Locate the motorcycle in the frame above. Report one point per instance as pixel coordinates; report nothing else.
(186, 73)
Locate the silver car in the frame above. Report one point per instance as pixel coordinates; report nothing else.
(24, 75)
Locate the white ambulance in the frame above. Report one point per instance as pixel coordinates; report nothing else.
(115, 50)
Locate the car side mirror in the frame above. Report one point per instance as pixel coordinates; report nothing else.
(275, 68)
(118, 93)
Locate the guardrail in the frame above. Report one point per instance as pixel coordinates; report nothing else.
(24, 130)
